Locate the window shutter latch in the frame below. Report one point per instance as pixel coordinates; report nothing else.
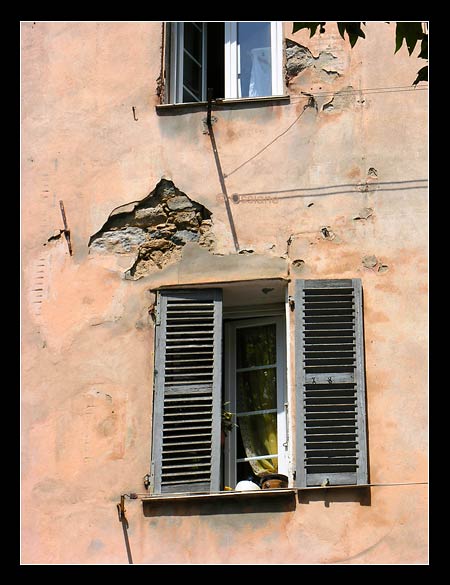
(291, 303)
(286, 406)
(149, 478)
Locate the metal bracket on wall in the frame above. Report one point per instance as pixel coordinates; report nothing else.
(121, 507)
(209, 120)
(206, 125)
(66, 228)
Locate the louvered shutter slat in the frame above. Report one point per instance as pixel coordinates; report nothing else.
(330, 385)
(186, 421)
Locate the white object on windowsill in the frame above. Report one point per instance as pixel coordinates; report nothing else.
(246, 486)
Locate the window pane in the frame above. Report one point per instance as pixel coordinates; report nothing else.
(259, 436)
(192, 80)
(256, 390)
(192, 62)
(193, 39)
(256, 346)
(255, 59)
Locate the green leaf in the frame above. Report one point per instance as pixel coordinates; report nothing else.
(424, 48)
(341, 28)
(353, 30)
(422, 75)
(410, 32)
(311, 26)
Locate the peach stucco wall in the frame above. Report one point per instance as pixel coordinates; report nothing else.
(87, 338)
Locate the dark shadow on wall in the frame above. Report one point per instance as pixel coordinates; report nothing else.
(223, 186)
(344, 188)
(124, 523)
(274, 504)
(331, 496)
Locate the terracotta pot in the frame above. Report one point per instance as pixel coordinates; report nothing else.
(274, 481)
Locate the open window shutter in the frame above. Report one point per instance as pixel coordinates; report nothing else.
(330, 383)
(186, 410)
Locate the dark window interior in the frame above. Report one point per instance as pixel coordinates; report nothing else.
(215, 76)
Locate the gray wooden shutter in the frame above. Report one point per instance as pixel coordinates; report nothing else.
(187, 390)
(330, 383)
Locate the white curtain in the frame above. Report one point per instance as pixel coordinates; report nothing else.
(261, 73)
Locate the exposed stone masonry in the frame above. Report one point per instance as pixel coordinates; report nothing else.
(155, 229)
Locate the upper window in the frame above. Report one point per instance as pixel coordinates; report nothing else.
(234, 59)
(197, 338)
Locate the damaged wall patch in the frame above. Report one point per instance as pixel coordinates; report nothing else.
(299, 58)
(155, 229)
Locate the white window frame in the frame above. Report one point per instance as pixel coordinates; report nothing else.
(229, 393)
(232, 60)
(232, 81)
(177, 62)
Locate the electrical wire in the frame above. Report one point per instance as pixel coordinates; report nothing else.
(226, 175)
(296, 99)
(354, 91)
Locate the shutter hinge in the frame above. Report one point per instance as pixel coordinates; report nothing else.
(291, 303)
(149, 478)
(155, 311)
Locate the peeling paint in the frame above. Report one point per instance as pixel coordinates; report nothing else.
(327, 233)
(369, 261)
(371, 182)
(341, 100)
(299, 58)
(364, 213)
(298, 263)
(155, 229)
(55, 235)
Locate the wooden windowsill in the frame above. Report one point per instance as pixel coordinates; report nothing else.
(218, 495)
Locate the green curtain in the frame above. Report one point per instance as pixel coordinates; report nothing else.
(257, 391)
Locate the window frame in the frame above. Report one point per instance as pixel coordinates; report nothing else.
(229, 391)
(231, 67)
(232, 61)
(295, 426)
(177, 63)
